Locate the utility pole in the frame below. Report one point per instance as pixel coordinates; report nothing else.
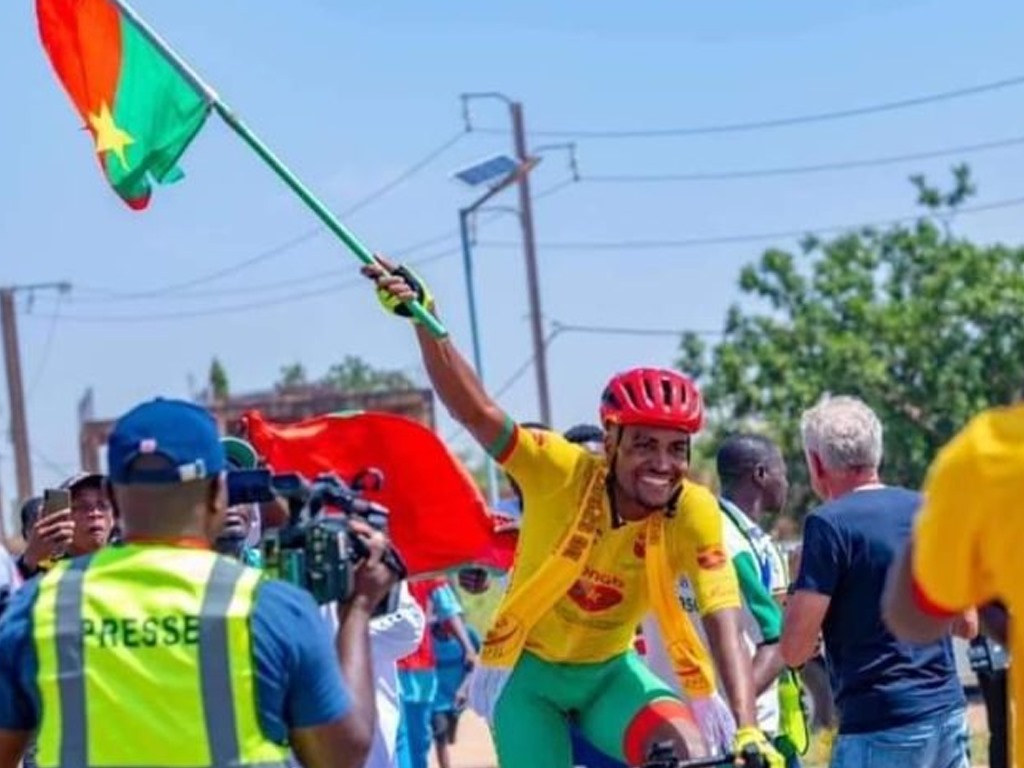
(540, 360)
(15, 383)
(540, 355)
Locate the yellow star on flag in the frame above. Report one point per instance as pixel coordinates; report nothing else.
(109, 137)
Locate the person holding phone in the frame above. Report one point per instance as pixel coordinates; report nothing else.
(76, 518)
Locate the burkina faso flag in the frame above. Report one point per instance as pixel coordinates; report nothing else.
(139, 108)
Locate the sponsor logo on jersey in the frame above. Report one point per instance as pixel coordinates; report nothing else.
(711, 558)
(593, 597)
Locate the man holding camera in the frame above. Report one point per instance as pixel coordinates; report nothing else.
(199, 660)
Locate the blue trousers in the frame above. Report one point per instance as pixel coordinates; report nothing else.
(415, 738)
(936, 742)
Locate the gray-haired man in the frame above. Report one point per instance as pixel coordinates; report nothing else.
(900, 705)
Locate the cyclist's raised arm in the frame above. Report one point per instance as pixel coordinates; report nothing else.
(454, 380)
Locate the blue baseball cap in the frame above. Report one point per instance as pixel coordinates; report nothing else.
(182, 433)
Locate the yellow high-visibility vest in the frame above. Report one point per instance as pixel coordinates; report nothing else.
(145, 660)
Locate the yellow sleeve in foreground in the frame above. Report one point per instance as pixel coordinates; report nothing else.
(949, 575)
(702, 545)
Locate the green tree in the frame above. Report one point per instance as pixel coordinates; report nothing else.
(218, 381)
(353, 374)
(293, 375)
(921, 324)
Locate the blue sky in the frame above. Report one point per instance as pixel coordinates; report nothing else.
(353, 94)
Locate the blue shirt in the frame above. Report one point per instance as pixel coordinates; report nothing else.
(451, 665)
(420, 683)
(298, 679)
(878, 681)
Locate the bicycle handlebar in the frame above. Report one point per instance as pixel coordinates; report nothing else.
(663, 757)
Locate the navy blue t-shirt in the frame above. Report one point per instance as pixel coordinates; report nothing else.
(298, 679)
(878, 681)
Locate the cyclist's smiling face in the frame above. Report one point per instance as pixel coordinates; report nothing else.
(650, 464)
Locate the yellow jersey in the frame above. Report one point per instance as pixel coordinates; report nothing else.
(968, 534)
(598, 617)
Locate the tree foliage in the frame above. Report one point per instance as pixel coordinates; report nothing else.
(293, 375)
(353, 374)
(217, 380)
(923, 325)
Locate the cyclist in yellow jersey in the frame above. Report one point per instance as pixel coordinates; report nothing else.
(964, 551)
(602, 542)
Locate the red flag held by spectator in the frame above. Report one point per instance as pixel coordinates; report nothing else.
(439, 520)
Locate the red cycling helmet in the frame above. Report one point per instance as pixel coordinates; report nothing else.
(653, 397)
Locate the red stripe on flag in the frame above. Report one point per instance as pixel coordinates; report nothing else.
(83, 40)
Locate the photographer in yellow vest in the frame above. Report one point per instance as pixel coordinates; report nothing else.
(160, 652)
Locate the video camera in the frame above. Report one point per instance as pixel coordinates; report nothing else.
(317, 549)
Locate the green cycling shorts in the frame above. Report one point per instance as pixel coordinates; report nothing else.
(531, 718)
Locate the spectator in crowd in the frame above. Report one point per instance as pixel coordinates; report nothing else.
(899, 705)
(240, 536)
(590, 436)
(452, 685)
(393, 636)
(28, 514)
(417, 672)
(84, 527)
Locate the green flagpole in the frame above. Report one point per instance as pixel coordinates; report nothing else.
(346, 236)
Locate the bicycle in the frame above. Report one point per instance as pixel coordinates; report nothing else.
(664, 756)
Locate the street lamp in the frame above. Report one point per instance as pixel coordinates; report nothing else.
(498, 173)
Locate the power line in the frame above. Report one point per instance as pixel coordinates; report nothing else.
(302, 237)
(58, 469)
(404, 176)
(241, 290)
(520, 371)
(246, 306)
(271, 286)
(557, 329)
(611, 245)
(274, 286)
(606, 330)
(842, 165)
(554, 189)
(777, 122)
(44, 355)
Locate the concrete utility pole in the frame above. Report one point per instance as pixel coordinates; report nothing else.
(540, 359)
(540, 355)
(15, 382)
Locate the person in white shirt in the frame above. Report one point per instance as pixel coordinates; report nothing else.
(393, 636)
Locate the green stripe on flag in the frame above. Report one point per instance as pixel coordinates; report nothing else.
(159, 111)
